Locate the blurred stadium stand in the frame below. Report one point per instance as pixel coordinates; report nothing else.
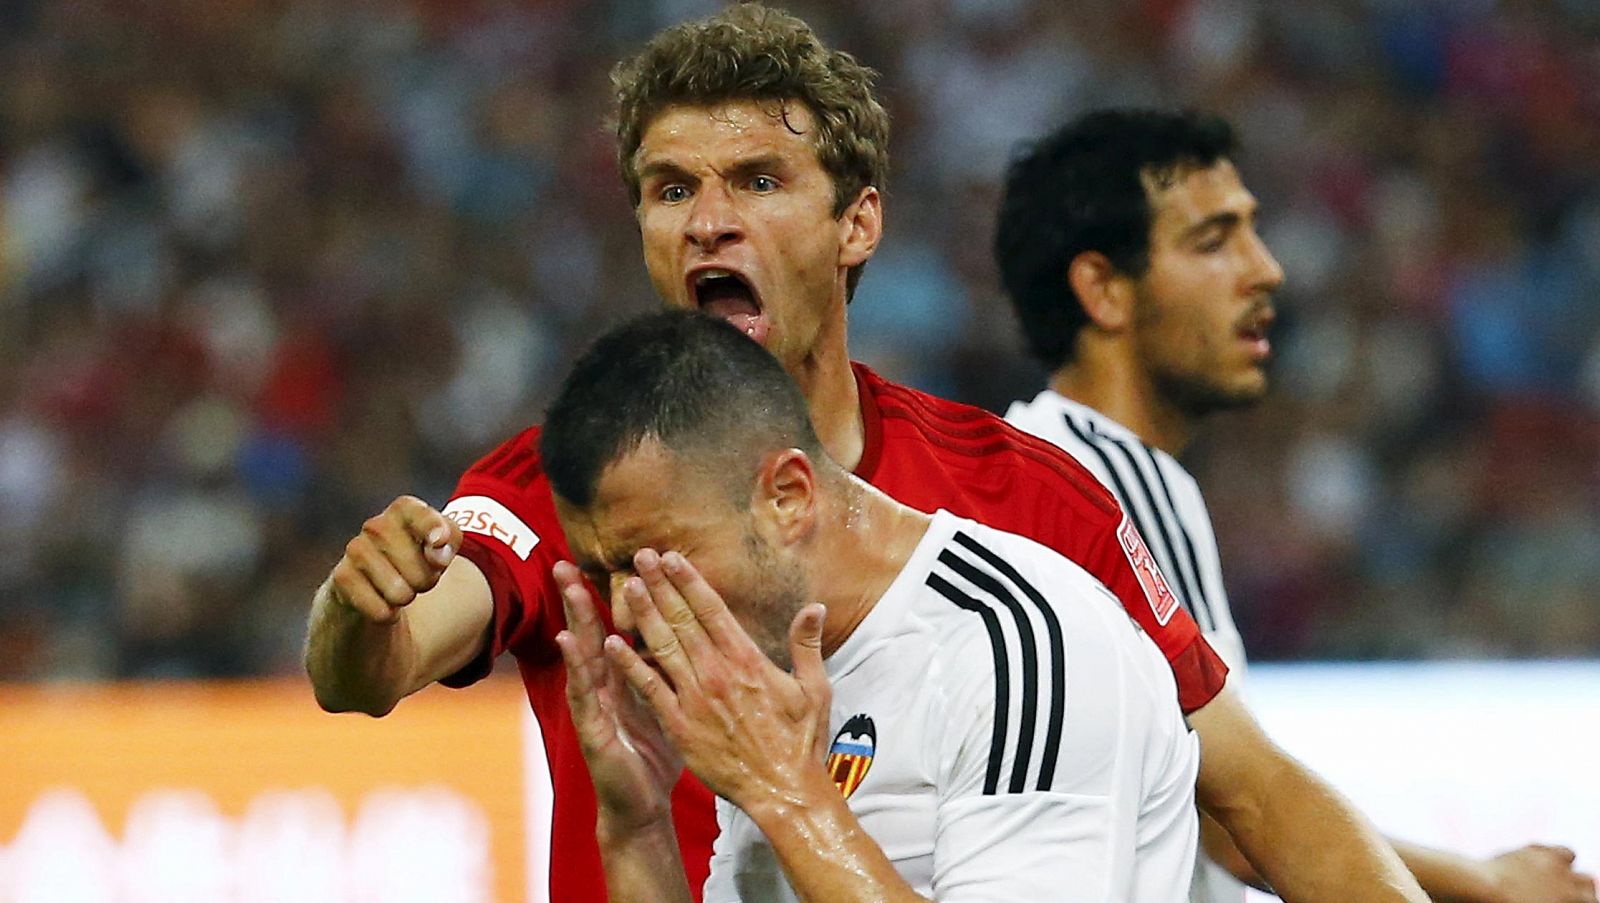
(266, 265)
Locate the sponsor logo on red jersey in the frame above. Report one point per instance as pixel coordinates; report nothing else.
(1163, 602)
(487, 517)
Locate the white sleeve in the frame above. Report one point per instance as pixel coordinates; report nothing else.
(719, 887)
(742, 863)
(1075, 838)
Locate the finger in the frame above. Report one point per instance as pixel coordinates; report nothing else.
(352, 588)
(805, 645)
(805, 651)
(586, 669)
(583, 615)
(437, 536)
(649, 685)
(595, 730)
(388, 537)
(675, 610)
(659, 636)
(709, 609)
(580, 682)
(379, 572)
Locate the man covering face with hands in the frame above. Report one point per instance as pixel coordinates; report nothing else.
(891, 705)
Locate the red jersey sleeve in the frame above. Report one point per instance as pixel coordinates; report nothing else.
(1101, 539)
(509, 530)
(1127, 568)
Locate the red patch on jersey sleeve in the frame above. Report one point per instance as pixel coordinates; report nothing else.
(1163, 602)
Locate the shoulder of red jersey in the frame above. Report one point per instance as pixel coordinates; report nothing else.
(956, 430)
(504, 496)
(515, 460)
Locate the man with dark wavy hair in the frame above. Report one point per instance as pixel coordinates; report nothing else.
(1128, 247)
(756, 156)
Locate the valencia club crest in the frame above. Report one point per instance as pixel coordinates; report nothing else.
(851, 753)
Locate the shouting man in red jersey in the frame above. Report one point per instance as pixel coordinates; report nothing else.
(755, 158)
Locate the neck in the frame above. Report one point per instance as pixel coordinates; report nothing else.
(865, 541)
(829, 385)
(1117, 387)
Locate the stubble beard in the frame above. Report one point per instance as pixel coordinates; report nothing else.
(781, 593)
(1194, 393)
(1197, 396)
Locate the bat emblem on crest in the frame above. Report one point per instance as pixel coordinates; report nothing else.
(851, 753)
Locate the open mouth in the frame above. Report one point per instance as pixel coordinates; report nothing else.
(729, 296)
(1253, 332)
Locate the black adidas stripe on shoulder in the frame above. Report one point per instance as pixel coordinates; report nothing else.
(995, 587)
(1155, 534)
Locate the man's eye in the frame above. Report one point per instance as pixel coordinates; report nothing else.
(763, 184)
(674, 193)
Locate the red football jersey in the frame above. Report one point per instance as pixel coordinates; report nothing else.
(926, 452)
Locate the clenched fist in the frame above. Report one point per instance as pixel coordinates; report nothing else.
(397, 555)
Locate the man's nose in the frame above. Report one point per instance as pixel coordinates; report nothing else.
(1266, 273)
(713, 219)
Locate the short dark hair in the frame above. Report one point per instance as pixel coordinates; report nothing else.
(691, 382)
(1081, 188)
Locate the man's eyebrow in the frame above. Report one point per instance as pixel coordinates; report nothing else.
(667, 168)
(1225, 220)
(758, 164)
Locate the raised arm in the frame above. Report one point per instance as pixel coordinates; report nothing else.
(1305, 839)
(631, 764)
(399, 611)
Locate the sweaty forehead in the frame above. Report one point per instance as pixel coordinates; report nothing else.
(719, 133)
(1192, 194)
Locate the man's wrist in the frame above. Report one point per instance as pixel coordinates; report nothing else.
(616, 831)
(783, 806)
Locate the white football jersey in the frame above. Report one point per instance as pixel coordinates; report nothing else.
(1164, 502)
(1003, 731)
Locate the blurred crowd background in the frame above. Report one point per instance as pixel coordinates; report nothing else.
(266, 264)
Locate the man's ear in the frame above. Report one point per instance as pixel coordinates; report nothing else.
(860, 228)
(785, 500)
(1105, 292)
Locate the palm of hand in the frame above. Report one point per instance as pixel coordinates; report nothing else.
(633, 766)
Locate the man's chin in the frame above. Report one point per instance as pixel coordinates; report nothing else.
(755, 326)
(1197, 399)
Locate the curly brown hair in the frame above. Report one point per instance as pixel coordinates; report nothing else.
(754, 52)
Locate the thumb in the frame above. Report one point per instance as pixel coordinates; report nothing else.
(805, 651)
(442, 543)
(1565, 854)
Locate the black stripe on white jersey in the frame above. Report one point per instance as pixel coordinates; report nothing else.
(1058, 645)
(990, 597)
(1002, 675)
(1158, 540)
(1193, 584)
(1203, 598)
